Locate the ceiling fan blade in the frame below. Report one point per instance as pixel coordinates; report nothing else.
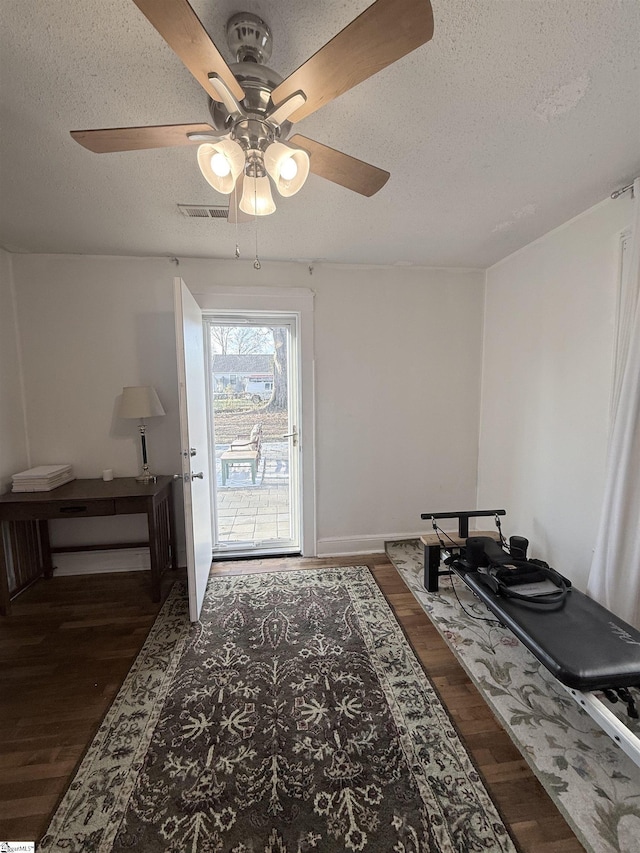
(341, 168)
(182, 30)
(236, 215)
(138, 138)
(382, 34)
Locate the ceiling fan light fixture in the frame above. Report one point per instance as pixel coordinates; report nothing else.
(221, 163)
(257, 199)
(260, 106)
(289, 167)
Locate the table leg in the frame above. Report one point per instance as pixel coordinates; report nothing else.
(45, 547)
(5, 605)
(225, 471)
(172, 531)
(154, 555)
(431, 567)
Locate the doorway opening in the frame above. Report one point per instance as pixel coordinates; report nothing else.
(253, 400)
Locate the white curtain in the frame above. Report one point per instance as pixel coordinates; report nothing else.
(614, 579)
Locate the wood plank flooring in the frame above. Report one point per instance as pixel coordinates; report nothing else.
(69, 643)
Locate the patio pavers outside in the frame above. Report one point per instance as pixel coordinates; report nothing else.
(249, 513)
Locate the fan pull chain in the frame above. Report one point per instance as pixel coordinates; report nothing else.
(256, 264)
(235, 203)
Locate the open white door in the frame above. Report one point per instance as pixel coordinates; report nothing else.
(195, 443)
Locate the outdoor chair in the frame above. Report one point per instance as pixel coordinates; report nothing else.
(253, 441)
(244, 450)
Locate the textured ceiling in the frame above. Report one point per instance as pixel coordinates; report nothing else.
(518, 115)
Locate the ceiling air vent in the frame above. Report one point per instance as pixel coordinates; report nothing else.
(199, 211)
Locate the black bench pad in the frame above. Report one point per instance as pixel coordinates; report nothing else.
(582, 644)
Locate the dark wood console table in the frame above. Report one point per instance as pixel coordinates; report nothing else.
(25, 550)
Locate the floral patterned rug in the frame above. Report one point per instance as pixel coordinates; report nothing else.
(594, 784)
(294, 717)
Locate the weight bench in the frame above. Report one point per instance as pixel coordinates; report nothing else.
(582, 644)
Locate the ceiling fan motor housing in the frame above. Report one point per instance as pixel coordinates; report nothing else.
(249, 38)
(250, 41)
(257, 81)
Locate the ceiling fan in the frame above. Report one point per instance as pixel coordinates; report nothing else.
(252, 108)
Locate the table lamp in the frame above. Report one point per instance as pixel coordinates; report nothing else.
(141, 401)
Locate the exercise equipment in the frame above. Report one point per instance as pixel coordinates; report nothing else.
(582, 644)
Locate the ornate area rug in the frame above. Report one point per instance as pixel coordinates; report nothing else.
(295, 717)
(593, 783)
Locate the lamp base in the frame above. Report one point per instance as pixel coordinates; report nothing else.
(146, 476)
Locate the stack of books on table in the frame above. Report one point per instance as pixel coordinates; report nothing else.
(44, 478)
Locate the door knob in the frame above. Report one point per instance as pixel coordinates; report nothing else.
(188, 477)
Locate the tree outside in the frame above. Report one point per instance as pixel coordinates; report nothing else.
(279, 401)
(234, 339)
(241, 340)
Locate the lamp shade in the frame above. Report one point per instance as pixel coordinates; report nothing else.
(221, 163)
(256, 196)
(289, 167)
(140, 401)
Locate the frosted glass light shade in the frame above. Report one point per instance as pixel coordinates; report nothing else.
(140, 401)
(256, 196)
(289, 167)
(221, 179)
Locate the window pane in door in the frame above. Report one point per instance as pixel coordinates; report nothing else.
(252, 423)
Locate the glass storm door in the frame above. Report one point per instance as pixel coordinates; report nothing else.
(255, 458)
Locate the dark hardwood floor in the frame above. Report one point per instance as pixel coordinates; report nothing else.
(69, 643)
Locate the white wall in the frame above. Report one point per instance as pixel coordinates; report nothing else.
(397, 364)
(397, 380)
(13, 447)
(398, 372)
(549, 339)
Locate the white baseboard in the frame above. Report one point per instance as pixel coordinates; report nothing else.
(137, 559)
(101, 562)
(343, 546)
